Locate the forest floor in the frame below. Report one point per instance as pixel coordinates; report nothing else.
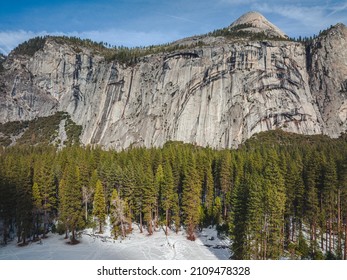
(136, 246)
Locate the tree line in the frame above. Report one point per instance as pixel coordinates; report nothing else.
(278, 195)
(121, 54)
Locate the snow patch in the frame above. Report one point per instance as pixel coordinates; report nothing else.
(136, 246)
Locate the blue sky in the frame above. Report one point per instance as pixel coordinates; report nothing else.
(145, 22)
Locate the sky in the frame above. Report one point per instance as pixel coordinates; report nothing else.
(148, 22)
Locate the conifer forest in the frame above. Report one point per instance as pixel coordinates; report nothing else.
(277, 194)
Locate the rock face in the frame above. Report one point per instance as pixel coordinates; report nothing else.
(327, 68)
(257, 23)
(217, 94)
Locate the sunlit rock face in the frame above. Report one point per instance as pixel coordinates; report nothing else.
(327, 68)
(257, 23)
(217, 93)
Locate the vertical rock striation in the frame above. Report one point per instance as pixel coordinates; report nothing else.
(327, 68)
(217, 94)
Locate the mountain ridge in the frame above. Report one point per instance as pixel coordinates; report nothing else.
(209, 90)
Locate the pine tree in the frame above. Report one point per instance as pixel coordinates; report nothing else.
(44, 178)
(343, 198)
(191, 197)
(99, 205)
(7, 197)
(88, 182)
(225, 177)
(176, 212)
(239, 231)
(167, 194)
(149, 198)
(238, 216)
(311, 206)
(159, 188)
(107, 176)
(274, 199)
(256, 236)
(294, 199)
(63, 214)
(73, 200)
(128, 193)
(24, 204)
(138, 194)
(249, 231)
(208, 190)
(329, 193)
(37, 207)
(217, 211)
(267, 193)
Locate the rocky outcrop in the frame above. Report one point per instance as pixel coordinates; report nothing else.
(216, 94)
(257, 23)
(327, 68)
(21, 98)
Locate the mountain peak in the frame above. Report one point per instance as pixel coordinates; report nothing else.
(256, 22)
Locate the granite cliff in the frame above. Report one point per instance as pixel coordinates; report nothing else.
(211, 90)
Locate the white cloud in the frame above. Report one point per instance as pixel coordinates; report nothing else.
(238, 2)
(305, 19)
(338, 8)
(304, 14)
(10, 39)
(181, 18)
(301, 18)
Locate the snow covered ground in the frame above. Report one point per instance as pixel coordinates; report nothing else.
(137, 246)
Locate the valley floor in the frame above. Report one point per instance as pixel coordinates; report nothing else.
(136, 246)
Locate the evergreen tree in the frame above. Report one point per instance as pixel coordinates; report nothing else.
(225, 178)
(128, 193)
(88, 182)
(73, 201)
(294, 199)
(138, 194)
(256, 234)
(239, 231)
(63, 214)
(217, 211)
(167, 194)
(149, 199)
(107, 175)
(208, 191)
(274, 202)
(44, 178)
(329, 197)
(37, 207)
(248, 233)
(191, 197)
(7, 197)
(311, 206)
(266, 194)
(24, 205)
(99, 205)
(342, 181)
(176, 212)
(159, 189)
